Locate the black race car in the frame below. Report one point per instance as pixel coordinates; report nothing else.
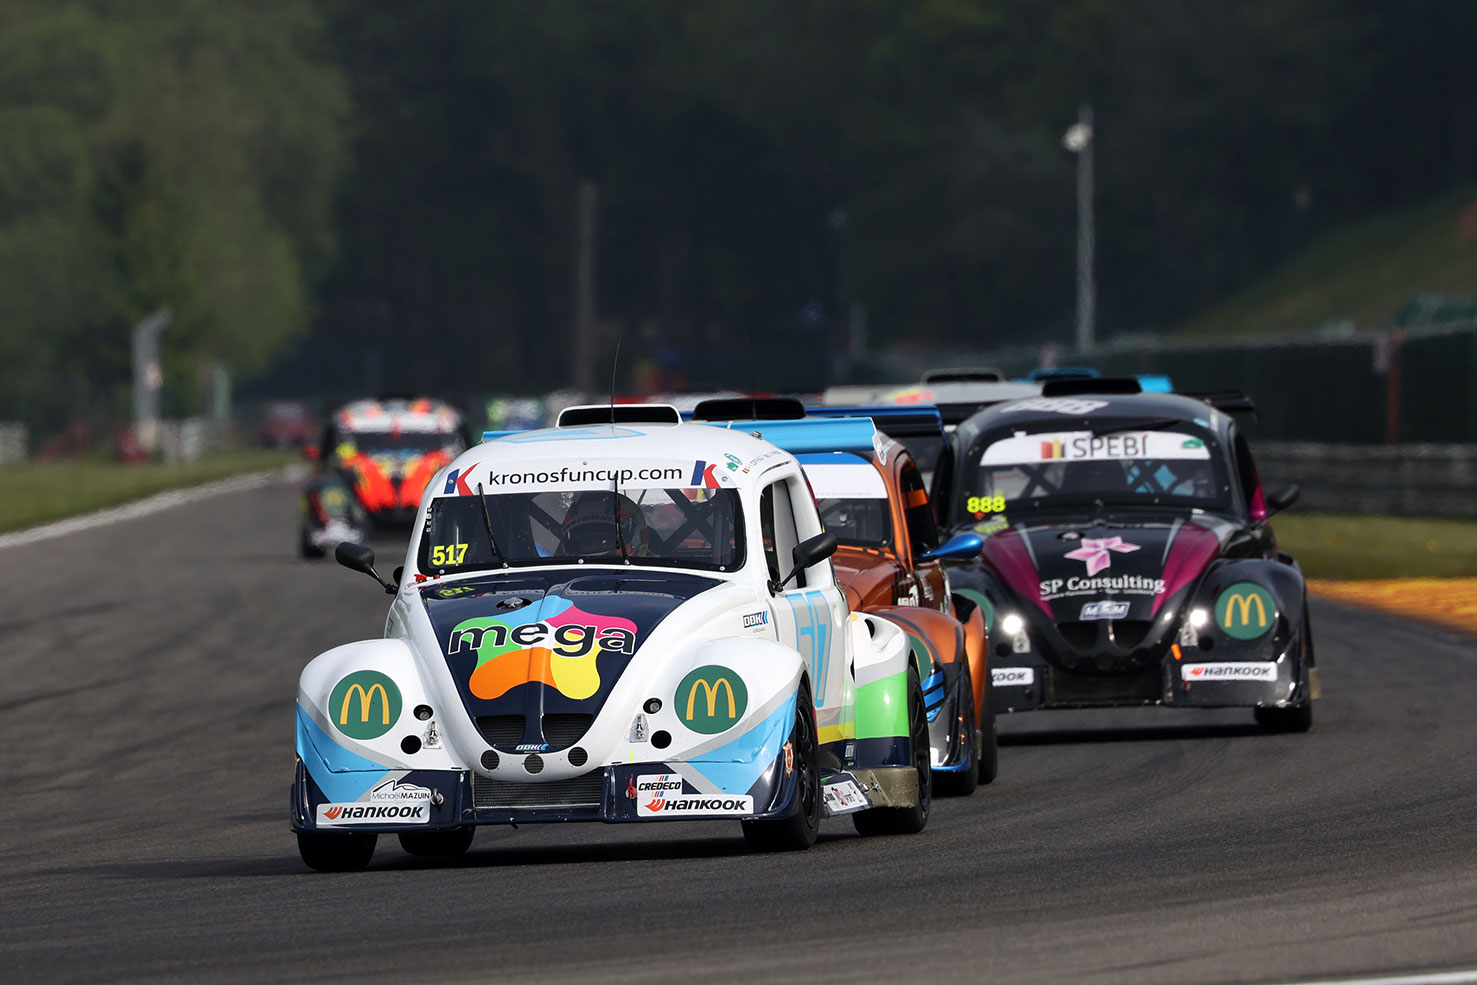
(1125, 555)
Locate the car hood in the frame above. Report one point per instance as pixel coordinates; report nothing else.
(1128, 569)
(536, 652)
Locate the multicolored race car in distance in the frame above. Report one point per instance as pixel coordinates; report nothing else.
(601, 621)
(871, 497)
(1127, 557)
(373, 464)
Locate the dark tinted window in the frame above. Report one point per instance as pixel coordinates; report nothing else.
(683, 527)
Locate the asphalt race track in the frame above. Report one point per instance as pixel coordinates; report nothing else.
(149, 670)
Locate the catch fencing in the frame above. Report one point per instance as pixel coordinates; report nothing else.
(1404, 480)
(1392, 387)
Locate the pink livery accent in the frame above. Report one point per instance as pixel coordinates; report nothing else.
(1192, 549)
(1006, 553)
(1258, 509)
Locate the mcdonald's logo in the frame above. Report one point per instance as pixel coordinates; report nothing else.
(712, 699)
(366, 701)
(1245, 611)
(364, 705)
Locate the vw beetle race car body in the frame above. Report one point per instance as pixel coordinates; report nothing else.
(1127, 556)
(630, 621)
(872, 498)
(374, 462)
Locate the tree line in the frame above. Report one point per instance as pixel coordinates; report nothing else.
(345, 194)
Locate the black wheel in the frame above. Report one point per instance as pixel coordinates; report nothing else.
(336, 852)
(962, 783)
(1298, 718)
(438, 844)
(989, 741)
(798, 831)
(906, 820)
(305, 546)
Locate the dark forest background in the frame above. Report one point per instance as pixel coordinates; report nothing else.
(343, 195)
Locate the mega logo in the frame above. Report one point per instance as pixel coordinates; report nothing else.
(1245, 611)
(560, 650)
(364, 705)
(711, 699)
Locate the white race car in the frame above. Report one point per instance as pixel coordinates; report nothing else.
(621, 618)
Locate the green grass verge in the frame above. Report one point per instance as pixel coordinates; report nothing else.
(32, 494)
(1362, 273)
(1343, 546)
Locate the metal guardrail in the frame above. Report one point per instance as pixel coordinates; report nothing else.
(1400, 480)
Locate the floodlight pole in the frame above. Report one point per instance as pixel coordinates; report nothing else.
(1079, 139)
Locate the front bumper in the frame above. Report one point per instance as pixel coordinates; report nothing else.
(1027, 682)
(422, 800)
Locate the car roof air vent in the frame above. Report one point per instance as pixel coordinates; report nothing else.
(749, 409)
(587, 414)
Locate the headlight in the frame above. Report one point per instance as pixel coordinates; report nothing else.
(1199, 617)
(1012, 624)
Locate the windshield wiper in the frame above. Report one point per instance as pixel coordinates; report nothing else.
(1147, 424)
(615, 509)
(487, 525)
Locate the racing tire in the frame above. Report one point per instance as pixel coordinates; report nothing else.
(336, 852)
(1298, 718)
(798, 831)
(989, 739)
(305, 548)
(906, 820)
(438, 844)
(962, 783)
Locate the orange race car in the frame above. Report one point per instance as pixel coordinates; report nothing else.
(373, 464)
(872, 498)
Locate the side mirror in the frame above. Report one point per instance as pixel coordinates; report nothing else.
(312, 452)
(811, 551)
(960, 547)
(1283, 497)
(360, 558)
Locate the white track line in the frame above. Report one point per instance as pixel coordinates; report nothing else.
(144, 507)
(1437, 978)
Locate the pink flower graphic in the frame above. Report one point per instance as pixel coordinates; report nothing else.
(1095, 552)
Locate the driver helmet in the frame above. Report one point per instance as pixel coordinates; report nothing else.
(590, 526)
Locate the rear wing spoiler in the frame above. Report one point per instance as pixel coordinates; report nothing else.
(893, 421)
(1229, 401)
(798, 437)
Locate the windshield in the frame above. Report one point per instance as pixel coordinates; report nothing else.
(684, 527)
(852, 497)
(402, 443)
(1170, 465)
(863, 522)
